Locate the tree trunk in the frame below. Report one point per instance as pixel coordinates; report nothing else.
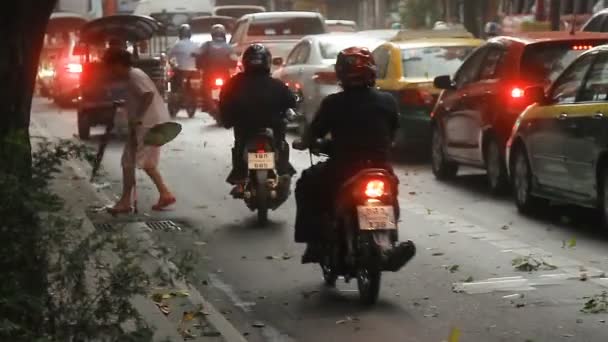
(472, 15)
(554, 15)
(24, 24)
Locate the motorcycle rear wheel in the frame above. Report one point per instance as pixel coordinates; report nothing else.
(329, 277)
(262, 197)
(368, 283)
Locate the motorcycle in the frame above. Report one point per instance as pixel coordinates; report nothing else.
(264, 190)
(211, 98)
(182, 95)
(361, 239)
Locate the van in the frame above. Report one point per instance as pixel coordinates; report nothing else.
(172, 14)
(237, 11)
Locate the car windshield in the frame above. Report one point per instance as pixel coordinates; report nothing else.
(173, 20)
(542, 63)
(286, 27)
(331, 48)
(235, 12)
(430, 62)
(204, 25)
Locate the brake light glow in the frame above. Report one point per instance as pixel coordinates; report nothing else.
(260, 146)
(582, 47)
(374, 189)
(74, 68)
(219, 82)
(517, 93)
(417, 97)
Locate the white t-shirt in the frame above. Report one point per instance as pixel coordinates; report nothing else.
(140, 84)
(182, 52)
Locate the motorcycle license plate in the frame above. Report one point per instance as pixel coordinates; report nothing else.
(261, 161)
(215, 94)
(376, 217)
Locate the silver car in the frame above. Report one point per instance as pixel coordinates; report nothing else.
(309, 69)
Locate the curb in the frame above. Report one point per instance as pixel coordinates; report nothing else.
(165, 329)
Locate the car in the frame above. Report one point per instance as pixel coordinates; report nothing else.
(558, 149)
(407, 66)
(477, 109)
(381, 34)
(237, 11)
(309, 69)
(278, 31)
(597, 23)
(341, 25)
(201, 27)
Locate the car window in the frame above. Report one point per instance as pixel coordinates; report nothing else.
(595, 25)
(382, 56)
(430, 62)
(469, 71)
(568, 84)
(278, 26)
(596, 86)
(304, 53)
(293, 55)
(490, 69)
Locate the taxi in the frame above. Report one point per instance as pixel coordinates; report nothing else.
(407, 65)
(558, 148)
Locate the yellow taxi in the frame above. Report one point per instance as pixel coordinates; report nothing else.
(558, 149)
(407, 66)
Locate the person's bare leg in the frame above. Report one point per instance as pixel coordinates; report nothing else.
(128, 181)
(158, 181)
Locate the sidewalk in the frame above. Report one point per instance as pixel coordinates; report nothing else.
(183, 313)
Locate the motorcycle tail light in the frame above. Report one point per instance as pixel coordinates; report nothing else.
(517, 93)
(219, 82)
(374, 189)
(260, 146)
(74, 68)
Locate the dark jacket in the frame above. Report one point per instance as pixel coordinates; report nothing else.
(216, 57)
(249, 102)
(362, 123)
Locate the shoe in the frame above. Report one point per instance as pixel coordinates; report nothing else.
(398, 256)
(312, 254)
(164, 203)
(238, 191)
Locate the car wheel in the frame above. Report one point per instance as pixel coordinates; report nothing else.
(495, 167)
(522, 183)
(442, 168)
(84, 128)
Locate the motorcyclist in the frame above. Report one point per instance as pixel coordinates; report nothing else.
(362, 123)
(181, 57)
(216, 57)
(492, 29)
(253, 100)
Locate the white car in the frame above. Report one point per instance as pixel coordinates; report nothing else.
(278, 31)
(201, 27)
(309, 68)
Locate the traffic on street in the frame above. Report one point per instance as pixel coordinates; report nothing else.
(332, 180)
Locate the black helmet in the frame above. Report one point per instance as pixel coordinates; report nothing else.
(185, 32)
(218, 32)
(355, 67)
(257, 58)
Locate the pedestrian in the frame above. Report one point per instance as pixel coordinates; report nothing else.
(146, 109)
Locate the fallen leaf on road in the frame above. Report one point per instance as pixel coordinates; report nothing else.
(579, 320)
(454, 335)
(342, 321)
(454, 268)
(308, 294)
(271, 257)
(177, 150)
(596, 304)
(187, 316)
(429, 211)
(200, 243)
(437, 254)
(505, 227)
(431, 315)
(258, 325)
(157, 297)
(452, 231)
(286, 256)
(180, 293)
(567, 335)
(201, 207)
(412, 193)
(212, 333)
(468, 280)
(433, 234)
(531, 263)
(572, 243)
(583, 277)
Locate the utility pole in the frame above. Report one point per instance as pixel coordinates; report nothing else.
(555, 14)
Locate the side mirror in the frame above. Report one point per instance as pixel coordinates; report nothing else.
(536, 94)
(277, 61)
(444, 82)
(80, 50)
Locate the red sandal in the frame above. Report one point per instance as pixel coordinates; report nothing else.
(164, 203)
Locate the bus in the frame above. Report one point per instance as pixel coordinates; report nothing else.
(533, 15)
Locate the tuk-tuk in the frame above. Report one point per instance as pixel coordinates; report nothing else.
(56, 78)
(97, 89)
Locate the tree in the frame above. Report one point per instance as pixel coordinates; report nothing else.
(416, 13)
(554, 14)
(22, 34)
(473, 16)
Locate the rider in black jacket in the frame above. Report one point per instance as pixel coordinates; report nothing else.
(253, 100)
(362, 123)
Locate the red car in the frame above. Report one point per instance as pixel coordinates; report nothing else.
(476, 111)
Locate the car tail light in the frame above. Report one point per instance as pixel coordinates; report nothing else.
(517, 93)
(325, 77)
(74, 68)
(219, 82)
(417, 97)
(374, 189)
(582, 47)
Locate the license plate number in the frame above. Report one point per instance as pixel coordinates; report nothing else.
(376, 217)
(215, 94)
(261, 161)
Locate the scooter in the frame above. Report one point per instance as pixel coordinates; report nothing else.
(361, 239)
(211, 97)
(181, 96)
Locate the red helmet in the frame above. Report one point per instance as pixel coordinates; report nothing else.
(355, 66)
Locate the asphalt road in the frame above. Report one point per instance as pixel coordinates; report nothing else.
(462, 280)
